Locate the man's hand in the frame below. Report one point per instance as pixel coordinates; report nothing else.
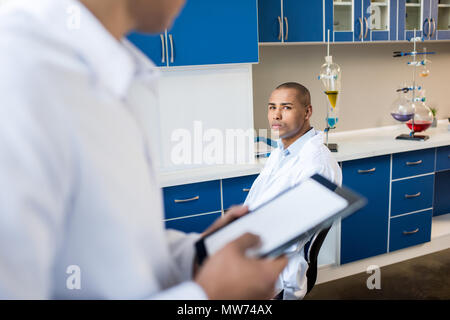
(230, 274)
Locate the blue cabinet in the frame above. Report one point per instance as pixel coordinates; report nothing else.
(290, 21)
(442, 193)
(193, 224)
(441, 11)
(235, 190)
(382, 19)
(152, 46)
(410, 230)
(206, 32)
(412, 15)
(348, 23)
(413, 163)
(412, 194)
(191, 199)
(365, 233)
(443, 158)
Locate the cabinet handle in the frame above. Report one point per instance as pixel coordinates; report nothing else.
(163, 46)
(434, 27)
(172, 59)
(280, 26)
(411, 232)
(245, 190)
(414, 163)
(361, 29)
(287, 28)
(187, 200)
(367, 28)
(426, 34)
(367, 171)
(409, 196)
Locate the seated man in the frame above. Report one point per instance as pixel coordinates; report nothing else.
(300, 154)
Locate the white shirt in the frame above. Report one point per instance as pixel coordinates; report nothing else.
(77, 181)
(285, 168)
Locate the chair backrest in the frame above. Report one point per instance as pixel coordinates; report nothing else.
(312, 249)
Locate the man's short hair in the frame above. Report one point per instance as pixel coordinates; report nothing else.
(303, 95)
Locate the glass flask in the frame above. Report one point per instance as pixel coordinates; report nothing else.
(330, 75)
(423, 117)
(402, 109)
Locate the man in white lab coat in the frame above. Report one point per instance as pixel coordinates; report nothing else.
(81, 212)
(300, 154)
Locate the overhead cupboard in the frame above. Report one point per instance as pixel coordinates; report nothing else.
(286, 21)
(205, 33)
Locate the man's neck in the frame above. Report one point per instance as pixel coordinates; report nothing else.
(112, 14)
(288, 141)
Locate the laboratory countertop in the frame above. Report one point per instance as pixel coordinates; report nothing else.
(355, 144)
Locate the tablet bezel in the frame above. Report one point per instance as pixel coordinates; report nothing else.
(355, 202)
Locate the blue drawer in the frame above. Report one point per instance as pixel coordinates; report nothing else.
(413, 163)
(443, 158)
(365, 233)
(193, 224)
(190, 199)
(410, 230)
(235, 190)
(412, 194)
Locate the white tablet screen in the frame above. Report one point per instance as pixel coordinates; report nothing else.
(283, 219)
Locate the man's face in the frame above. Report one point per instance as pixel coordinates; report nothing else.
(154, 16)
(286, 114)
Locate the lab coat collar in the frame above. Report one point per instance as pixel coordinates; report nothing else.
(297, 145)
(115, 64)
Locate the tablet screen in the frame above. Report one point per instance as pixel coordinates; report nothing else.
(284, 218)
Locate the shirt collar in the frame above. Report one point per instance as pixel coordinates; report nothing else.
(298, 144)
(115, 64)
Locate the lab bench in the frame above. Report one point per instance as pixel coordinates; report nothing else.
(407, 184)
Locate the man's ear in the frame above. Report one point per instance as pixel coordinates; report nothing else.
(309, 112)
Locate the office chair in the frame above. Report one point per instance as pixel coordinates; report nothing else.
(312, 249)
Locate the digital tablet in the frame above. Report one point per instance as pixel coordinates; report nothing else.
(295, 214)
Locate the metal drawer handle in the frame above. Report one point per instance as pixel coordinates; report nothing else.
(246, 190)
(172, 55)
(367, 171)
(409, 196)
(280, 23)
(362, 27)
(411, 232)
(414, 163)
(287, 28)
(367, 28)
(187, 200)
(163, 53)
(434, 27)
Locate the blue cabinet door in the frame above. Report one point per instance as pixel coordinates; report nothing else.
(154, 46)
(440, 12)
(364, 234)
(270, 21)
(352, 18)
(410, 230)
(235, 190)
(442, 193)
(443, 158)
(413, 15)
(413, 163)
(214, 32)
(303, 21)
(412, 194)
(193, 224)
(191, 199)
(382, 20)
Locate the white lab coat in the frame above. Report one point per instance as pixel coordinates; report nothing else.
(77, 180)
(286, 168)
